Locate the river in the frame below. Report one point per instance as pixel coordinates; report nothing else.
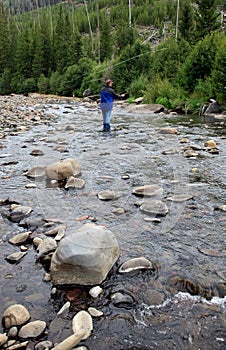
(181, 304)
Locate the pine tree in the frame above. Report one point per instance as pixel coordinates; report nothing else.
(206, 17)
(4, 38)
(186, 20)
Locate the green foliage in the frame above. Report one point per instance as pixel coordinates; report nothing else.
(168, 57)
(73, 77)
(186, 20)
(199, 63)
(163, 101)
(5, 82)
(194, 104)
(55, 83)
(133, 62)
(64, 49)
(138, 86)
(163, 90)
(218, 73)
(29, 85)
(206, 17)
(43, 84)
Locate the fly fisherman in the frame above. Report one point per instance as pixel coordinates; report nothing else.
(107, 97)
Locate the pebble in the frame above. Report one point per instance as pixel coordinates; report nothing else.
(73, 182)
(148, 190)
(155, 207)
(44, 345)
(95, 291)
(64, 308)
(20, 238)
(15, 257)
(180, 198)
(31, 186)
(107, 195)
(13, 332)
(135, 264)
(3, 338)
(82, 323)
(32, 329)
(94, 312)
(70, 342)
(15, 315)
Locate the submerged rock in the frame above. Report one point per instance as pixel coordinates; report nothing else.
(148, 190)
(15, 257)
(36, 172)
(107, 195)
(180, 198)
(84, 257)
(155, 207)
(20, 238)
(73, 182)
(19, 212)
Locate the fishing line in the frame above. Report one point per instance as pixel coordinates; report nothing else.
(118, 64)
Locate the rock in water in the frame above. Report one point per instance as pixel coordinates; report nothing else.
(32, 329)
(84, 257)
(154, 207)
(82, 322)
(15, 315)
(148, 191)
(140, 263)
(63, 169)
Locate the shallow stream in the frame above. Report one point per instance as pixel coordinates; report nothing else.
(180, 305)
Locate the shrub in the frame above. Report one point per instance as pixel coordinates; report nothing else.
(173, 95)
(43, 84)
(137, 87)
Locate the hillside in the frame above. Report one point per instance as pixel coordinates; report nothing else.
(170, 52)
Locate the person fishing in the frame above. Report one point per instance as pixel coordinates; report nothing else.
(107, 97)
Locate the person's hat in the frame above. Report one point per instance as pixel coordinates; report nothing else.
(108, 81)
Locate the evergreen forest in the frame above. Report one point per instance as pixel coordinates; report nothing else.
(171, 52)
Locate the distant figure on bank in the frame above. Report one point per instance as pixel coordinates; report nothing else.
(107, 97)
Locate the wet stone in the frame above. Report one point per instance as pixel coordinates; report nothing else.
(36, 172)
(15, 257)
(32, 329)
(140, 263)
(154, 207)
(37, 152)
(20, 238)
(73, 182)
(15, 315)
(122, 300)
(148, 190)
(180, 198)
(107, 195)
(82, 322)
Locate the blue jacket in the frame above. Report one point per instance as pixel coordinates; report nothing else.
(107, 97)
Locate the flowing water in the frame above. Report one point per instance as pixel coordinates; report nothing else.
(179, 305)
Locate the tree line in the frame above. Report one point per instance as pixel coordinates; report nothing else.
(170, 52)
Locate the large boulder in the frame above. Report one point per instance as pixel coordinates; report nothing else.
(63, 169)
(84, 257)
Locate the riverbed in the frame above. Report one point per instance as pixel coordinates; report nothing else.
(178, 305)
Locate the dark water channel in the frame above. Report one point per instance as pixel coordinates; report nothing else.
(180, 305)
